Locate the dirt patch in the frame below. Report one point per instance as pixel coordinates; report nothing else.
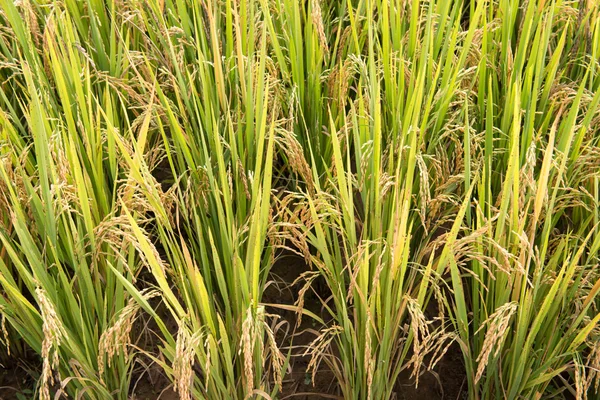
(149, 381)
(17, 378)
(152, 384)
(298, 382)
(447, 381)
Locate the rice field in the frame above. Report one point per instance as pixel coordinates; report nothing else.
(300, 199)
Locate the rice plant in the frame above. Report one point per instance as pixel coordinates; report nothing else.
(63, 230)
(436, 164)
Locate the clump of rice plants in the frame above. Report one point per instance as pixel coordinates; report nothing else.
(63, 195)
(435, 164)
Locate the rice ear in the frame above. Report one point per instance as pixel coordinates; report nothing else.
(498, 329)
(54, 334)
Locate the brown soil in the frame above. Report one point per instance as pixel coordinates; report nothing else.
(447, 381)
(149, 381)
(16, 381)
(298, 383)
(152, 384)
